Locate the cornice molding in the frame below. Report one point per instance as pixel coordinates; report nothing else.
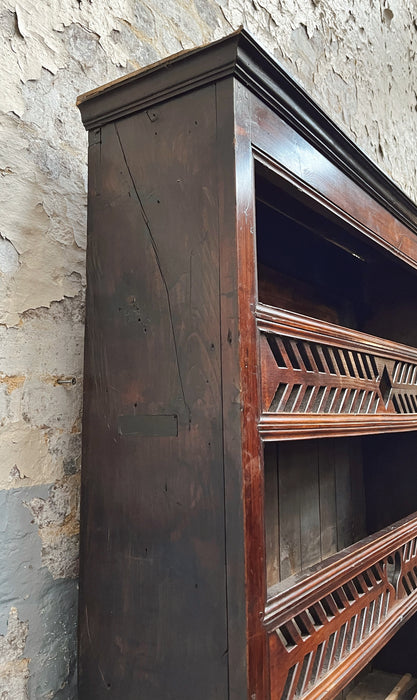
(239, 55)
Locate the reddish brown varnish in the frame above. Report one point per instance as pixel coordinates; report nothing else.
(248, 489)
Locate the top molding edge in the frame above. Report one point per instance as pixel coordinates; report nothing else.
(239, 55)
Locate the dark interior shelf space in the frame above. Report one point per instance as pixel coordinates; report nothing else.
(324, 495)
(312, 262)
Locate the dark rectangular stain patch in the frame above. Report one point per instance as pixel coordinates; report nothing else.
(148, 426)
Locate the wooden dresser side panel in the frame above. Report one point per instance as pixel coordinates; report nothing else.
(153, 582)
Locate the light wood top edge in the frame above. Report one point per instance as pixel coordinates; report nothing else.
(240, 55)
(304, 426)
(310, 421)
(151, 68)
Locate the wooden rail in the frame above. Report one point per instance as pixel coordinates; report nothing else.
(321, 379)
(326, 624)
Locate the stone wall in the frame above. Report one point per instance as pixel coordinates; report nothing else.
(356, 58)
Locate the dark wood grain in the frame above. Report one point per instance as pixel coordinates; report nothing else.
(252, 465)
(314, 503)
(272, 529)
(357, 488)
(290, 475)
(233, 427)
(239, 246)
(153, 507)
(327, 485)
(309, 507)
(344, 496)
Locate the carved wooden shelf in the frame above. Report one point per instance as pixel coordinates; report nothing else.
(319, 379)
(250, 395)
(332, 620)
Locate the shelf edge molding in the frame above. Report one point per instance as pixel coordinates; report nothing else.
(274, 320)
(334, 619)
(321, 425)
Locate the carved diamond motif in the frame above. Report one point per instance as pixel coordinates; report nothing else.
(385, 386)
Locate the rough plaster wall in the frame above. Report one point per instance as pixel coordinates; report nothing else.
(356, 57)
